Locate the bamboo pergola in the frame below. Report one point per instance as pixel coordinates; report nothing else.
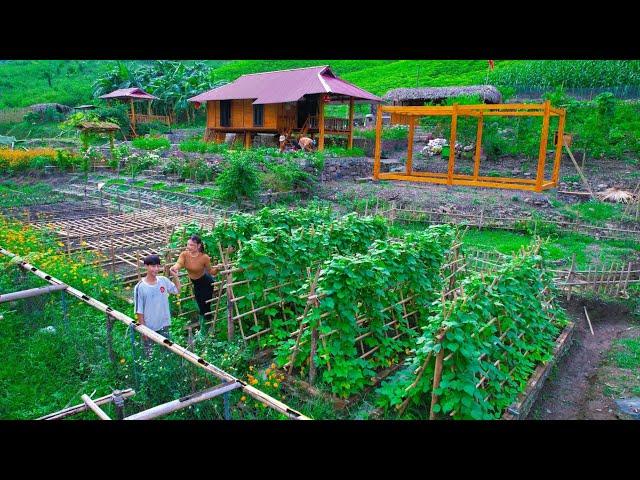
(412, 114)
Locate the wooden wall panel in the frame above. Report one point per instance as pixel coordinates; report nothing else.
(237, 110)
(213, 114)
(248, 113)
(271, 115)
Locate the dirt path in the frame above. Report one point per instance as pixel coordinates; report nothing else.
(575, 389)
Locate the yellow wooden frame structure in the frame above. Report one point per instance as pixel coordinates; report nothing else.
(544, 110)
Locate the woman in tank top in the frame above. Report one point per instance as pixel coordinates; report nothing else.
(200, 271)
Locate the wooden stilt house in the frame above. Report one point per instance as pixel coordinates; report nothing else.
(284, 102)
(132, 95)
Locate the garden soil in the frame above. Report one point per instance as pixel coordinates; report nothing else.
(580, 386)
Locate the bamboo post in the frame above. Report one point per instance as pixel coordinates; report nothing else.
(437, 376)
(412, 127)
(476, 159)
(350, 139)
(558, 153)
(118, 401)
(542, 154)
(137, 265)
(96, 409)
(378, 144)
(452, 144)
(312, 354)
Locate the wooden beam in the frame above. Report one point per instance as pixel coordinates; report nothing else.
(476, 159)
(321, 122)
(184, 402)
(452, 144)
(378, 145)
(350, 140)
(95, 408)
(542, 155)
(32, 292)
(412, 127)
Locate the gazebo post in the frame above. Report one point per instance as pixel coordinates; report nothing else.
(452, 144)
(543, 146)
(321, 122)
(133, 118)
(476, 160)
(149, 108)
(350, 141)
(377, 149)
(412, 127)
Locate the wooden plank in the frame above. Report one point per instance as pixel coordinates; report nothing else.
(452, 144)
(525, 400)
(542, 154)
(377, 149)
(409, 164)
(476, 159)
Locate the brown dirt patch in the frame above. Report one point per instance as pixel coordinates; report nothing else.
(582, 386)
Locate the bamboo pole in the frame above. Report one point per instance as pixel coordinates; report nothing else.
(588, 320)
(83, 406)
(582, 177)
(32, 292)
(95, 408)
(437, 376)
(184, 402)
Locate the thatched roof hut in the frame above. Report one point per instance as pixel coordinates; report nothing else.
(417, 96)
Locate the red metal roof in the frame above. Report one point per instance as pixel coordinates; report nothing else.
(286, 86)
(134, 93)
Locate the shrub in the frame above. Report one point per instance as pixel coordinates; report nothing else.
(151, 143)
(286, 176)
(240, 177)
(200, 146)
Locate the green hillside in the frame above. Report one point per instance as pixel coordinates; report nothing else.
(25, 82)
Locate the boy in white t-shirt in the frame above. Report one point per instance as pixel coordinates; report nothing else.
(151, 299)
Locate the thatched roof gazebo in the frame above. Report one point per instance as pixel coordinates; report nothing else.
(417, 96)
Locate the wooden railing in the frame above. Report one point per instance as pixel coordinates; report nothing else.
(332, 124)
(143, 118)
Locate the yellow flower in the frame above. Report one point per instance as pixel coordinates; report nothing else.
(122, 361)
(267, 384)
(243, 398)
(275, 384)
(273, 365)
(61, 244)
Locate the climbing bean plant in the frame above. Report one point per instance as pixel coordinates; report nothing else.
(359, 297)
(493, 337)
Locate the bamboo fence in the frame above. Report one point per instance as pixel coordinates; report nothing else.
(483, 220)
